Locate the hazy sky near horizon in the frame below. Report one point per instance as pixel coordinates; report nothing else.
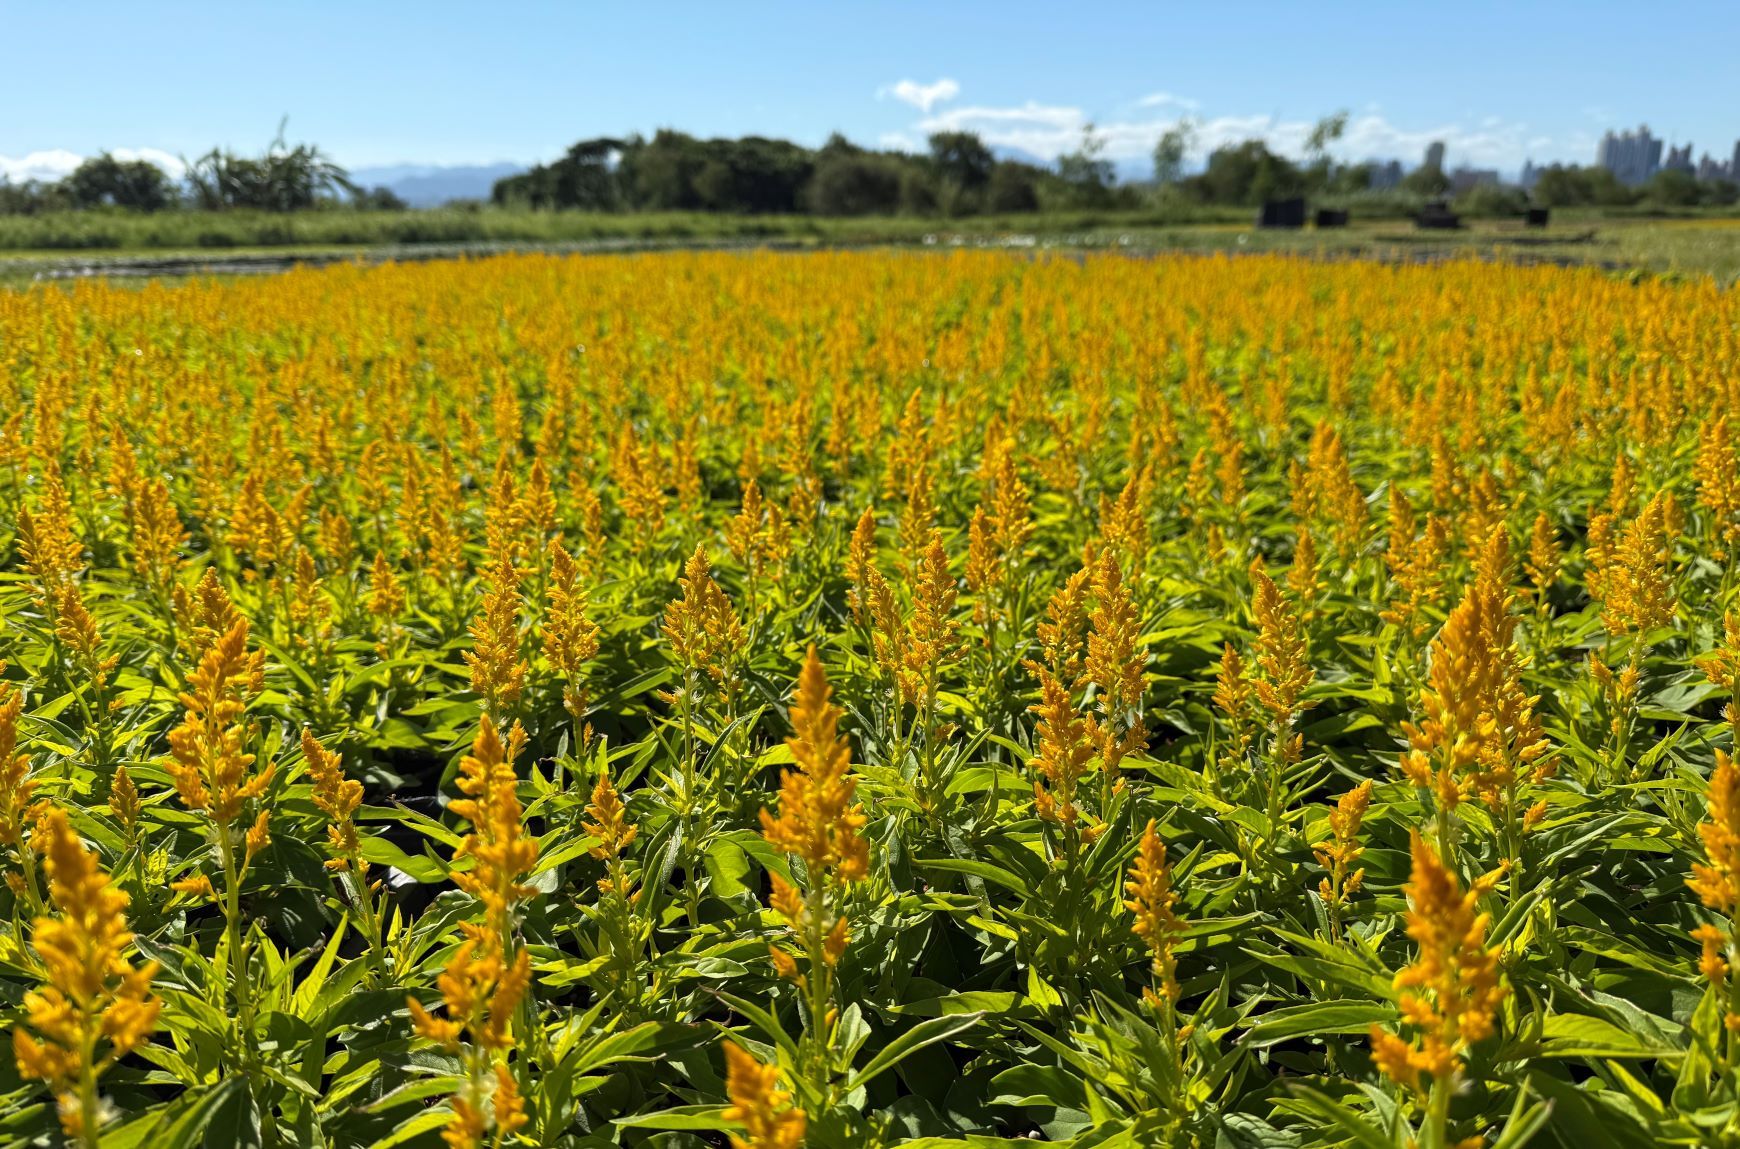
(386, 82)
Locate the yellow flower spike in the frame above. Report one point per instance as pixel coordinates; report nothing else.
(124, 801)
(386, 598)
(502, 851)
(1544, 558)
(1634, 584)
(510, 1106)
(466, 1128)
(497, 672)
(818, 820)
(16, 785)
(1114, 665)
(208, 763)
(1478, 734)
(1062, 751)
(1718, 883)
(198, 886)
(702, 627)
(338, 798)
(764, 1110)
(610, 825)
(787, 901)
(91, 992)
(1150, 898)
(932, 635)
(570, 638)
(1283, 666)
(1342, 851)
(1451, 992)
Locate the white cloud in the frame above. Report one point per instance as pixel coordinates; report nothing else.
(922, 96)
(59, 163)
(51, 165)
(899, 142)
(169, 163)
(1167, 100)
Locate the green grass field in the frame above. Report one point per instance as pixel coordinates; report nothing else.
(177, 243)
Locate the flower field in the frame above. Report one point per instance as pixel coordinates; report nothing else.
(869, 699)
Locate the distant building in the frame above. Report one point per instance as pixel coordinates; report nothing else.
(1531, 175)
(1466, 178)
(1734, 163)
(1435, 155)
(1632, 157)
(1385, 174)
(1711, 169)
(1678, 160)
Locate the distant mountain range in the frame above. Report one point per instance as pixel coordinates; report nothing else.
(430, 185)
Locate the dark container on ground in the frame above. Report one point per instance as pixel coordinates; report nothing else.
(1282, 213)
(1330, 217)
(1438, 216)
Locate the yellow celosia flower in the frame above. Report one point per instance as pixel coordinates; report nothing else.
(1478, 733)
(209, 762)
(1451, 992)
(1149, 896)
(498, 844)
(1716, 468)
(1721, 668)
(386, 595)
(1634, 583)
(497, 672)
(1062, 633)
(1417, 564)
(610, 825)
(124, 801)
(570, 637)
(933, 631)
(1061, 754)
(702, 627)
(764, 1110)
(16, 785)
(91, 994)
(1114, 666)
(1544, 559)
(338, 798)
(1340, 854)
(818, 820)
(1283, 666)
(1718, 883)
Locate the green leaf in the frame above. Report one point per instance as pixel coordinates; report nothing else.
(1342, 1016)
(984, 871)
(924, 1033)
(1578, 1035)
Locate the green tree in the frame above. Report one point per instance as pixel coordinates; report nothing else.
(961, 158)
(1326, 131)
(1427, 180)
(1673, 188)
(1247, 173)
(1172, 149)
(856, 183)
(104, 181)
(1086, 174)
(1014, 187)
(280, 179)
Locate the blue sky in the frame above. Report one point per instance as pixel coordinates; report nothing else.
(445, 83)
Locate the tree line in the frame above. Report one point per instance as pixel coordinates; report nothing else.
(282, 178)
(957, 174)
